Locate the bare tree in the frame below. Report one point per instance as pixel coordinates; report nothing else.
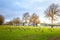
(16, 21)
(1, 19)
(25, 17)
(10, 23)
(34, 19)
(52, 12)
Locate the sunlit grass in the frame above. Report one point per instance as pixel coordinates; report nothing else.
(8, 32)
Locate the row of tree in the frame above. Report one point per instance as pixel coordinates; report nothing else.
(52, 12)
(26, 20)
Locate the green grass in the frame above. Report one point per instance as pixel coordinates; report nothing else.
(28, 33)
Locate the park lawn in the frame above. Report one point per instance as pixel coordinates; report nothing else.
(8, 32)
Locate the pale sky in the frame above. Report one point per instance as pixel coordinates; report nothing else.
(16, 8)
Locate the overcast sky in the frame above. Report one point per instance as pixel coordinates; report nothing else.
(15, 8)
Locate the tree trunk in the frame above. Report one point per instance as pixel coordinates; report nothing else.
(52, 23)
(23, 24)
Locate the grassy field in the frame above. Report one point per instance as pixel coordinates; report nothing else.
(28, 33)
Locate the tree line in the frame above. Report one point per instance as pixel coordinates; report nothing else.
(26, 20)
(52, 13)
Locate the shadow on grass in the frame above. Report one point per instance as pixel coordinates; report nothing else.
(54, 38)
